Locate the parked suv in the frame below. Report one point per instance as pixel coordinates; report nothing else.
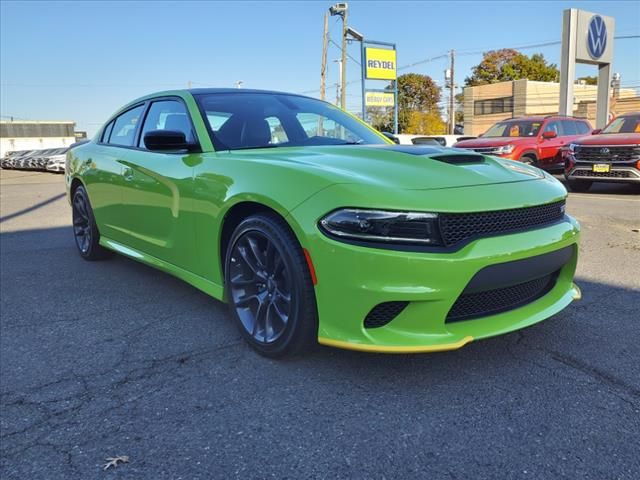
(534, 140)
(610, 155)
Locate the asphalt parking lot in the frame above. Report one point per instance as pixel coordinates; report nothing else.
(115, 358)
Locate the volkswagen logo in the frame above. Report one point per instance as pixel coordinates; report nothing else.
(604, 151)
(597, 37)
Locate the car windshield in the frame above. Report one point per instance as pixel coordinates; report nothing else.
(520, 128)
(626, 124)
(265, 120)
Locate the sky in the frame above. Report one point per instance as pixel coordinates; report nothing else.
(81, 61)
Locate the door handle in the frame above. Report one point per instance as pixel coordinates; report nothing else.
(127, 173)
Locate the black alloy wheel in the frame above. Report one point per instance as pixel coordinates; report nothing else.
(269, 288)
(85, 230)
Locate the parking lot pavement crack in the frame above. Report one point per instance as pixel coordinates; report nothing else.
(595, 373)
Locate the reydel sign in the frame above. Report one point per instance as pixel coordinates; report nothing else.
(380, 63)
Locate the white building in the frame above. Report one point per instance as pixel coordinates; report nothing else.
(35, 135)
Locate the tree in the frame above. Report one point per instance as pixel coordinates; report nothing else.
(588, 80)
(416, 93)
(425, 123)
(509, 64)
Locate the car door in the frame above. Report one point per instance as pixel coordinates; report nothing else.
(157, 200)
(104, 179)
(549, 147)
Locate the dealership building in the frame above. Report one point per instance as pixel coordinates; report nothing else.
(485, 105)
(35, 135)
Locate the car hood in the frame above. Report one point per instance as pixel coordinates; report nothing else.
(396, 166)
(491, 142)
(610, 139)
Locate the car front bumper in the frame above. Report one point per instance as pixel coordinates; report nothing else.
(622, 172)
(353, 279)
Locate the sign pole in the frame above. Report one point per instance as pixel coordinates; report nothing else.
(363, 73)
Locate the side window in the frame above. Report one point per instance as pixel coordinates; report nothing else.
(554, 126)
(167, 115)
(124, 127)
(583, 128)
(569, 127)
(107, 132)
(278, 135)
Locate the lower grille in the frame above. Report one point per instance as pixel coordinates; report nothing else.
(491, 302)
(609, 174)
(383, 313)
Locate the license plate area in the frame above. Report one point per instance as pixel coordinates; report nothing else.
(601, 167)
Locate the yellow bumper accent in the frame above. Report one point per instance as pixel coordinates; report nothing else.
(578, 294)
(394, 349)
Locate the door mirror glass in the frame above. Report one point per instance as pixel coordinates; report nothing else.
(167, 140)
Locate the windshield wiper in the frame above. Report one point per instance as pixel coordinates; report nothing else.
(254, 147)
(358, 142)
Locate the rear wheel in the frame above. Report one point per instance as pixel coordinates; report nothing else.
(269, 287)
(85, 230)
(579, 185)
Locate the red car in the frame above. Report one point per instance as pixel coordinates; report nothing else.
(534, 140)
(609, 155)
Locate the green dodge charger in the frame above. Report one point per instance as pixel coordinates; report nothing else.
(316, 229)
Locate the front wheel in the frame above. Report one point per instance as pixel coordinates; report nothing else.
(528, 160)
(269, 287)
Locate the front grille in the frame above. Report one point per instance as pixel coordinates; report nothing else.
(485, 150)
(459, 227)
(610, 174)
(607, 154)
(492, 302)
(383, 313)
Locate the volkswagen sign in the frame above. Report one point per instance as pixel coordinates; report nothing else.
(597, 37)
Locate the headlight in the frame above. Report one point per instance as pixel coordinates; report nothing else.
(572, 147)
(408, 228)
(505, 149)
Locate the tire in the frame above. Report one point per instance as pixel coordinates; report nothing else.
(269, 288)
(528, 160)
(579, 185)
(85, 230)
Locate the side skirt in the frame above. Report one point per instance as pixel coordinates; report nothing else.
(207, 286)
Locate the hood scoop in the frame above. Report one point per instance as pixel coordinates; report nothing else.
(458, 158)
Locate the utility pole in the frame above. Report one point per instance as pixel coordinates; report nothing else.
(338, 89)
(343, 63)
(452, 97)
(323, 66)
(189, 84)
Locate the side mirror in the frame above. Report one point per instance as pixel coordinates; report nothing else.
(167, 140)
(391, 137)
(549, 134)
(480, 135)
(596, 131)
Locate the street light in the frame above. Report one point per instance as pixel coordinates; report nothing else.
(356, 35)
